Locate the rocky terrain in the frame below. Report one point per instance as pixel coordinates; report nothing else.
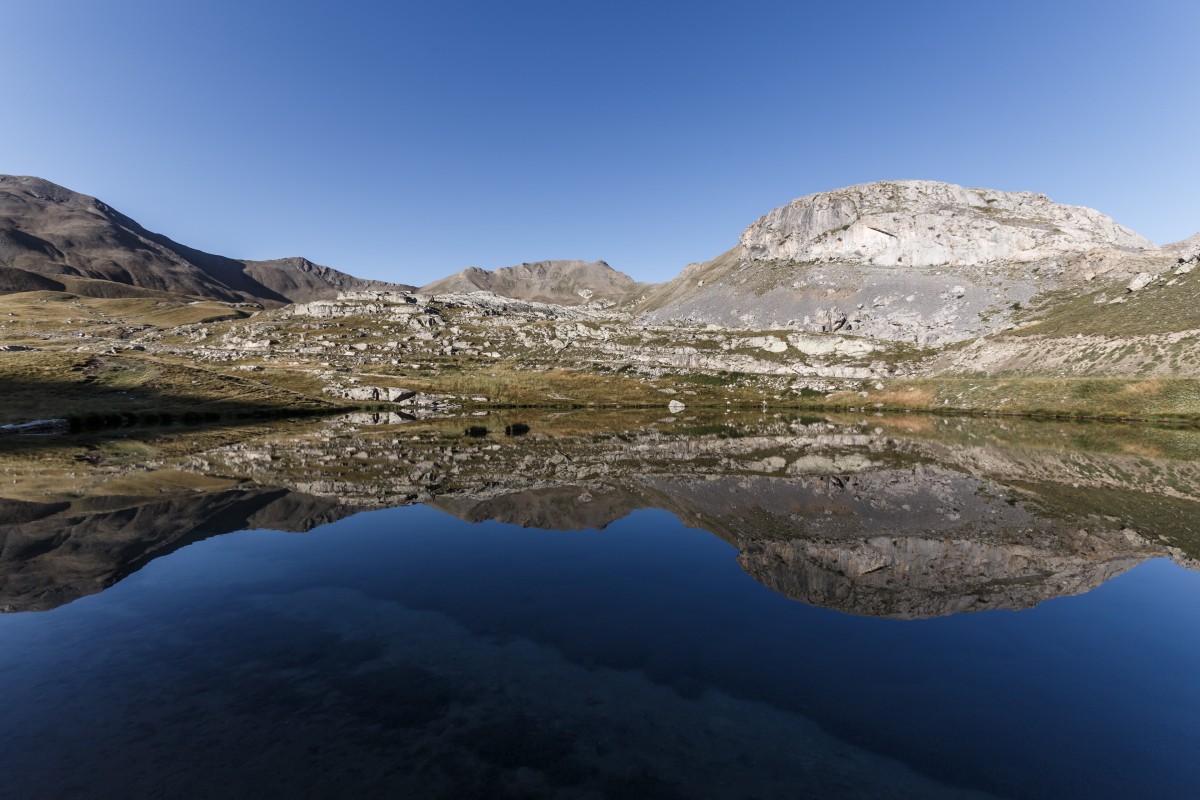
(919, 261)
(567, 283)
(54, 239)
(900, 294)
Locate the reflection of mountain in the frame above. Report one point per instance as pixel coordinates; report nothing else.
(897, 543)
(563, 508)
(53, 553)
(863, 523)
(918, 576)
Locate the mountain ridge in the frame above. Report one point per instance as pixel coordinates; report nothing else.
(563, 282)
(53, 232)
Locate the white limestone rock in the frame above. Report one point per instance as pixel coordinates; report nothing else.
(1140, 282)
(925, 224)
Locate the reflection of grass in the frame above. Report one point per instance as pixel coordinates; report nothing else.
(42, 467)
(1131, 398)
(1100, 475)
(1161, 519)
(1081, 438)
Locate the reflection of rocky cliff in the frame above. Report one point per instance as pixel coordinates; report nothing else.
(52, 553)
(921, 576)
(853, 518)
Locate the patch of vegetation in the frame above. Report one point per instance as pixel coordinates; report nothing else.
(1157, 309)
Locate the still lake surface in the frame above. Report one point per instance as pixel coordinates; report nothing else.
(772, 609)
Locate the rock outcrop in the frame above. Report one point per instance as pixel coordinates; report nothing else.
(914, 261)
(917, 224)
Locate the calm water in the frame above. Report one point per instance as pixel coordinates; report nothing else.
(414, 652)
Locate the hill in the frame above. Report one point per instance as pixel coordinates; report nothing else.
(918, 261)
(54, 239)
(568, 283)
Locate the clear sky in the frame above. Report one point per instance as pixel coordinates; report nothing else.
(407, 140)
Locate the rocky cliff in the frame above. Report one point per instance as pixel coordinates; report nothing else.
(904, 260)
(920, 224)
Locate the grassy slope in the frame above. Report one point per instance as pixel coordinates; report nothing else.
(1159, 308)
(43, 384)
(32, 315)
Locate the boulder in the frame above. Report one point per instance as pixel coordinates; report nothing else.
(1140, 282)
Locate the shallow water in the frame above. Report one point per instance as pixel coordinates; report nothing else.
(867, 624)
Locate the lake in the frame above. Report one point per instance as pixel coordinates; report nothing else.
(620, 605)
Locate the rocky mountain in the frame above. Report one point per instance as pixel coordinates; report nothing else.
(904, 260)
(567, 283)
(52, 238)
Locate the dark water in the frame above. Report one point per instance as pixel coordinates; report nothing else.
(406, 652)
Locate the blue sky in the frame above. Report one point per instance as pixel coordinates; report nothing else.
(408, 140)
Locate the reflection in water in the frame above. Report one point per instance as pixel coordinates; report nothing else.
(546, 616)
(860, 518)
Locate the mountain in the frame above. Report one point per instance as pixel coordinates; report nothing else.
(52, 238)
(567, 283)
(905, 260)
(1187, 250)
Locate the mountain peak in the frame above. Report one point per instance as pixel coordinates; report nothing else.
(926, 223)
(561, 282)
(50, 232)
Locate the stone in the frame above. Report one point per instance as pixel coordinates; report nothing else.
(1140, 282)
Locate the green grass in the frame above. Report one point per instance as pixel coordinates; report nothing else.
(1157, 309)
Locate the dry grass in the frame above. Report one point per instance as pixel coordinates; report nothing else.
(44, 312)
(1144, 389)
(899, 397)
